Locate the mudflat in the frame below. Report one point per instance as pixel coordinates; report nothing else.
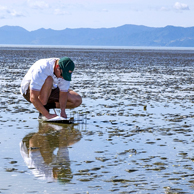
(137, 134)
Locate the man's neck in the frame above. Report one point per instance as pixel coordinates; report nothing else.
(55, 67)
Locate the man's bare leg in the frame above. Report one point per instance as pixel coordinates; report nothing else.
(46, 90)
(45, 93)
(73, 100)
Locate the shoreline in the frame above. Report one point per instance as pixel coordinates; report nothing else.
(98, 47)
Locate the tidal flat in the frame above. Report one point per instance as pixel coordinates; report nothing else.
(137, 134)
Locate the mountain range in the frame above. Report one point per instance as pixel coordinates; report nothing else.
(126, 35)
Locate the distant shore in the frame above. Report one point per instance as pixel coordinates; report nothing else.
(96, 47)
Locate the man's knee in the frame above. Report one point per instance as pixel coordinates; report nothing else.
(49, 80)
(78, 101)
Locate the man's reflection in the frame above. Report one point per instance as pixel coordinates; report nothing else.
(46, 152)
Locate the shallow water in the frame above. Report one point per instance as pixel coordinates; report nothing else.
(138, 137)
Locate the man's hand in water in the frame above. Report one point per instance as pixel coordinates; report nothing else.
(50, 116)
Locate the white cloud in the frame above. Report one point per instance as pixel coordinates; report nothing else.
(105, 10)
(38, 4)
(165, 9)
(181, 6)
(4, 9)
(6, 13)
(60, 12)
(16, 14)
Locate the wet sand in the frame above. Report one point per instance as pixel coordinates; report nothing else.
(138, 137)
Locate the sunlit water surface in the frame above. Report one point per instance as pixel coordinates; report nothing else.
(137, 134)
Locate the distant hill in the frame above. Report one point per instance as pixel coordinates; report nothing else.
(126, 35)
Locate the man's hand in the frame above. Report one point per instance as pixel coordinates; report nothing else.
(50, 116)
(37, 103)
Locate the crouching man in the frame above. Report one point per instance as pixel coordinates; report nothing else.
(46, 85)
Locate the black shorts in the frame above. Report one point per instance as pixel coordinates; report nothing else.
(54, 97)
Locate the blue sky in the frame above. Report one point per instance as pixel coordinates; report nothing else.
(62, 14)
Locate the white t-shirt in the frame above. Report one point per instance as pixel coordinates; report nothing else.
(38, 73)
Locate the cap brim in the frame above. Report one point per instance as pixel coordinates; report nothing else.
(67, 76)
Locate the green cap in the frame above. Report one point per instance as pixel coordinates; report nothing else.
(67, 66)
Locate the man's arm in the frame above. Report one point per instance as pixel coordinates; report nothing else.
(63, 103)
(38, 105)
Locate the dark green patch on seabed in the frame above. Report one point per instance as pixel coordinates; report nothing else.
(139, 133)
